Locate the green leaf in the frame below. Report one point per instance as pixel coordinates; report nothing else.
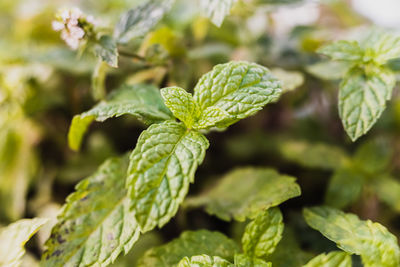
(332, 259)
(96, 223)
(140, 20)
(376, 245)
(98, 80)
(238, 88)
(181, 104)
(13, 239)
(362, 99)
(263, 233)
(328, 70)
(216, 10)
(264, 188)
(388, 190)
(140, 100)
(381, 46)
(242, 260)
(204, 261)
(106, 50)
(313, 155)
(290, 79)
(343, 50)
(161, 167)
(190, 243)
(344, 187)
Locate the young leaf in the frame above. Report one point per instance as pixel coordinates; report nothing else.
(13, 239)
(362, 99)
(238, 88)
(204, 261)
(263, 234)
(216, 10)
(190, 244)
(264, 188)
(181, 104)
(161, 167)
(343, 50)
(381, 46)
(332, 259)
(311, 155)
(139, 20)
(140, 100)
(106, 50)
(344, 187)
(96, 223)
(376, 245)
(242, 260)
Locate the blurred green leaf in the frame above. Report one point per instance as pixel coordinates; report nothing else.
(290, 79)
(328, 70)
(388, 190)
(242, 260)
(106, 50)
(204, 261)
(98, 80)
(216, 10)
(343, 50)
(332, 259)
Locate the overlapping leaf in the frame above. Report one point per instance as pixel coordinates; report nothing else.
(376, 245)
(96, 223)
(263, 188)
(13, 239)
(332, 259)
(190, 244)
(140, 100)
(161, 167)
(204, 261)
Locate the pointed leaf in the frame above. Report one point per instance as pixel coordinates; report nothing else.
(204, 261)
(332, 259)
(343, 50)
(190, 244)
(161, 167)
(181, 104)
(362, 99)
(376, 245)
(13, 239)
(216, 10)
(264, 188)
(140, 20)
(140, 100)
(96, 223)
(239, 88)
(263, 234)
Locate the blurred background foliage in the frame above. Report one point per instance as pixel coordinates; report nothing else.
(43, 84)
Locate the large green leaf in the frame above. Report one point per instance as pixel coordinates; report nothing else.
(343, 50)
(216, 10)
(140, 100)
(362, 99)
(96, 223)
(332, 259)
(238, 88)
(204, 261)
(190, 244)
(263, 233)
(376, 245)
(233, 198)
(13, 239)
(161, 167)
(140, 20)
(313, 155)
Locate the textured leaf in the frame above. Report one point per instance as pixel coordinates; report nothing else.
(362, 99)
(216, 10)
(140, 20)
(381, 46)
(204, 261)
(263, 233)
(376, 245)
(143, 101)
(332, 259)
(388, 190)
(161, 167)
(343, 50)
(181, 104)
(239, 88)
(242, 260)
(264, 188)
(190, 244)
(344, 187)
(106, 50)
(13, 239)
(313, 155)
(96, 223)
